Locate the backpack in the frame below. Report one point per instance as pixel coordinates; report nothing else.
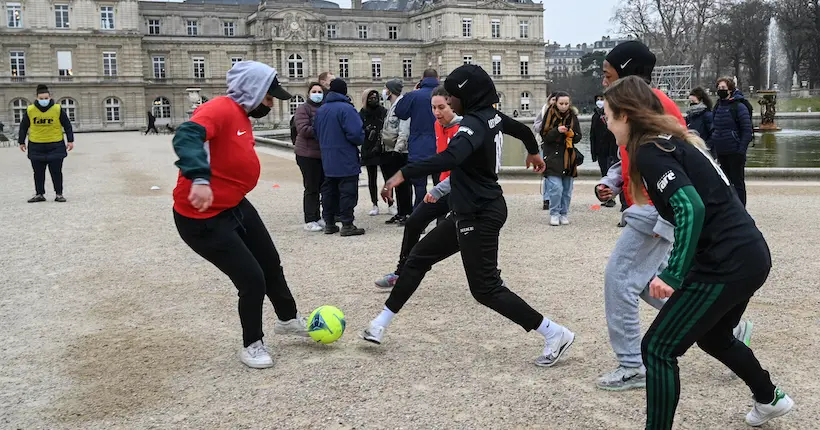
(293, 129)
(733, 110)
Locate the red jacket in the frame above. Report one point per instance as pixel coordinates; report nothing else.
(671, 109)
(443, 136)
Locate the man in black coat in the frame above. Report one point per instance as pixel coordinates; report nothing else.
(602, 143)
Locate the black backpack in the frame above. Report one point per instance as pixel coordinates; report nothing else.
(733, 109)
(293, 129)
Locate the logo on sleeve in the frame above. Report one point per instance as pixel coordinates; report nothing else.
(665, 180)
(465, 129)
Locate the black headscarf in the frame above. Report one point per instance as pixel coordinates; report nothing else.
(473, 86)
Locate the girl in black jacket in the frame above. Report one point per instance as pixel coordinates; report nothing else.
(560, 133)
(699, 117)
(373, 114)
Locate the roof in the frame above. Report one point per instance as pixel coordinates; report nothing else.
(407, 5)
(319, 4)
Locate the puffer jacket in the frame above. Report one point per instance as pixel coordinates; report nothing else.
(701, 120)
(415, 105)
(730, 136)
(339, 129)
(306, 143)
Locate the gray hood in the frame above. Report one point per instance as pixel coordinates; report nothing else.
(248, 82)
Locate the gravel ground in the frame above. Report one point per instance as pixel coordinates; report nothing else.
(110, 321)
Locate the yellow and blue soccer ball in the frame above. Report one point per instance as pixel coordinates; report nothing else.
(326, 324)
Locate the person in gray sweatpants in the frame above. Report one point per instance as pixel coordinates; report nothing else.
(640, 254)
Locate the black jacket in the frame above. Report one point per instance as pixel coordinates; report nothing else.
(554, 145)
(373, 122)
(602, 142)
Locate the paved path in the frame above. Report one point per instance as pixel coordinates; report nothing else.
(110, 321)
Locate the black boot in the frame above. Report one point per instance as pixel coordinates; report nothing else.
(351, 230)
(331, 228)
(546, 205)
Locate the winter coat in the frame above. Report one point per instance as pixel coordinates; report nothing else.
(395, 132)
(730, 136)
(415, 105)
(306, 143)
(339, 129)
(701, 120)
(373, 122)
(602, 142)
(554, 145)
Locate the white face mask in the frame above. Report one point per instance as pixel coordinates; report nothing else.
(385, 94)
(600, 104)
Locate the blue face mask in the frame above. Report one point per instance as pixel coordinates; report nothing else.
(316, 97)
(43, 103)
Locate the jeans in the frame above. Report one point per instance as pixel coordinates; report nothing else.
(339, 197)
(237, 243)
(560, 192)
(312, 177)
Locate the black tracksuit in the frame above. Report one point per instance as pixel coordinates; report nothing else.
(478, 207)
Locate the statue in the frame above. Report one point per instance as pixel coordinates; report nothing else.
(795, 82)
(768, 106)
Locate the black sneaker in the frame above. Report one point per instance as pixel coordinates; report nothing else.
(331, 229)
(351, 230)
(60, 199)
(37, 199)
(609, 204)
(402, 221)
(546, 205)
(393, 219)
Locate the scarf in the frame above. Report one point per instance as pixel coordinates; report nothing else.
(695, 110)
(556, 119)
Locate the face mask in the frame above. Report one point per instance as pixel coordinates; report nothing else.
(724, 94)
(316, 97)
(259, 112)
(372, 103)
(42, 102)
(693, 103)
(600, 104)
(385, 94)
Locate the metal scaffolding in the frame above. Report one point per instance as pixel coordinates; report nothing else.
(675, 81)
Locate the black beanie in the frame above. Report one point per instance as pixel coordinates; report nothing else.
(42, 89)
(632, 58)
(338, 85)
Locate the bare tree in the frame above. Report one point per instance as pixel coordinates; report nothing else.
(703, 14)
(797, 30)
(751, 17)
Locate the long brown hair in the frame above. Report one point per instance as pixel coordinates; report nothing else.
(633, 97)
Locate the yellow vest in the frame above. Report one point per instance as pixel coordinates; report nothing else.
(45, 126)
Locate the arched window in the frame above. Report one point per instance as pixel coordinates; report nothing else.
(69, 106)
(295, 102)
(112, 110)
(296, 66)
(18, 108)
(161, 108)
(525, 101)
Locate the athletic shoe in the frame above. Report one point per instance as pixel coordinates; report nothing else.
(374, 211)
(393, 210)
(351, 230)
(622, 223)
(554, 351)
(388, 281)
(256, 356)
(295, 327)
(331, 229)
(60, 199)
(321, 223)
(609, 204)
(564, 220)
(761, 413)
(743, 332)
(37, 199)
(623, 378)
(402, 221)
(546, 206)
(373, 334)
(395, 219)
(313, 227)
(555, 220)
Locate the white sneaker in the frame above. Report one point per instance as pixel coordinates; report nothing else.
(743, 331)
(555, 349)
(321, 223)
(623, 378)
(313, 227)
(374, 334)
(295, 327)
(393, 210)
(554, 220)
(374, 211)
(256, 356)
(761, 413)
(564, 220)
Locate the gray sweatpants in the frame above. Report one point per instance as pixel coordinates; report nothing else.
(640, 253)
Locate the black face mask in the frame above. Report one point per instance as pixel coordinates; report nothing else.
(259, 112)
(372, 103)
(724, 94)
(693, 103)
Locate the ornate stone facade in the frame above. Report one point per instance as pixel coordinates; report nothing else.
(111, 61)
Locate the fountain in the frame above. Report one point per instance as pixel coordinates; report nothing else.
(768, 97)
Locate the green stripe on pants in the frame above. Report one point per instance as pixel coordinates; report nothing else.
(667, 339)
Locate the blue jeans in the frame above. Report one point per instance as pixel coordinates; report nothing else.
(546, 193)
(559, 189)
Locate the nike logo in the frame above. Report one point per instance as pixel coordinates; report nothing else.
(624, 64)
(240, 133)
(463, 83)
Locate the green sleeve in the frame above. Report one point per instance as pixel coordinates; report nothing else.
(689, 215)
(189, 144)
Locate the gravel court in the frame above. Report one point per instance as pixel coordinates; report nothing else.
(110, 321)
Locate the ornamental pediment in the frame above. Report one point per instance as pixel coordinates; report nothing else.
(296, 24)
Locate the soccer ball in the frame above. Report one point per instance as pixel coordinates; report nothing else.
(326, 324)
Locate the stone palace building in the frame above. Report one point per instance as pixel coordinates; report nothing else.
(108, 62)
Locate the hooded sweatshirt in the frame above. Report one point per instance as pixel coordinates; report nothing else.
(443, 135)
(216, 145)
(373, 122)
(415, 105)
(474, 153)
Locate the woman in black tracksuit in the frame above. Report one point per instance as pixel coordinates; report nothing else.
(478, 213)
(719, 260)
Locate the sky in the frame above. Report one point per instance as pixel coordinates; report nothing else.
(570, 21)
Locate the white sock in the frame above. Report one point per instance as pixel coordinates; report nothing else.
(550, 329)
(384, 317)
